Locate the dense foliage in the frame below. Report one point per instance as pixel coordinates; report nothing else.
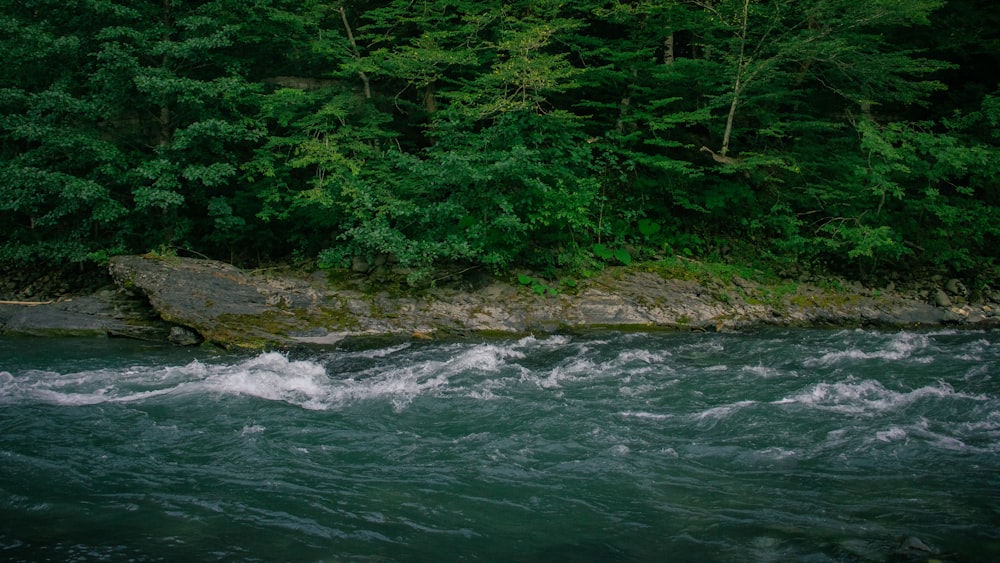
(845, 135)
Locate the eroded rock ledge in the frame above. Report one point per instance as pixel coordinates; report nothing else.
(234, 308)
(188, 301)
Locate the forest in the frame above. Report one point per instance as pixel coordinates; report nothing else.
(857, 137)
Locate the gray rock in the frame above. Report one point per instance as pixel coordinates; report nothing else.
(955, 315)
(212, 298)
(102, 314)
(739, 281)
(913, 543)
(912, 549)
(956, 287)
(184, 336)
(918, 314)
(360, 265)
(941, 299)
(991, 295)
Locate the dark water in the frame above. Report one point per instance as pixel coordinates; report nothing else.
(766, 446)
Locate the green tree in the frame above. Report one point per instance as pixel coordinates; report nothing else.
(62, 193)
(173, 72)
(488, 163)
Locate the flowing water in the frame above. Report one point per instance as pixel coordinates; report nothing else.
(764, 446)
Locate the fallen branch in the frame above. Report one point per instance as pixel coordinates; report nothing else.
(26, 303)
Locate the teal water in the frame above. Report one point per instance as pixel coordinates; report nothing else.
(764, 446)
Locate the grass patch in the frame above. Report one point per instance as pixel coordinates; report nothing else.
(678, 267)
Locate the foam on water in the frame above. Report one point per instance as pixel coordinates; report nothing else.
(269, 376)
(95, 386)
(251, 429)
(721, 412)
(870, 396)
(762, 371)
(974, 351)
(645, 415)
(643, 356)
(273, 376)
(979, 437)
(573, 370)
(902, 346)
(893, 434)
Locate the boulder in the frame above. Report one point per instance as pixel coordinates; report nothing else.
(955, 286)
(991, 295)
(912, 549)
(359, 264)
(941, 299)
(214, 299)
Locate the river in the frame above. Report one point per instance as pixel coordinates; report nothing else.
(773, 445)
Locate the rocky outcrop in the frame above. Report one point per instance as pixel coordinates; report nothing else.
(105, 312)
(70, 300)
(231, 307)
(187, 301)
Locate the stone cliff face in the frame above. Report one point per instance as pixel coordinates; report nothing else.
(189, 300)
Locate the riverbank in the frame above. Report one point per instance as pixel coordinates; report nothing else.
(189, 301)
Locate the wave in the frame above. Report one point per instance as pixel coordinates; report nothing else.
(95, 386)
(268, 375)
(967, 438)
(308, 383)
(638, 373)
(870, 396)
(721, 412)
(904, 345)
(645, 415)
(397, 374)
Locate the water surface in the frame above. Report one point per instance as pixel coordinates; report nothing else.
(765, 446)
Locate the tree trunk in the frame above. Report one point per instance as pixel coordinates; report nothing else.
(354, 53)
(623, 106)
(164, 134)
(430, 101)
(730, 118)
(738, 83)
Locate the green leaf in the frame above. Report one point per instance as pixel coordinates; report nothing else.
(149, 197)
(623, 256)
(602, 251)
(648, 227)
